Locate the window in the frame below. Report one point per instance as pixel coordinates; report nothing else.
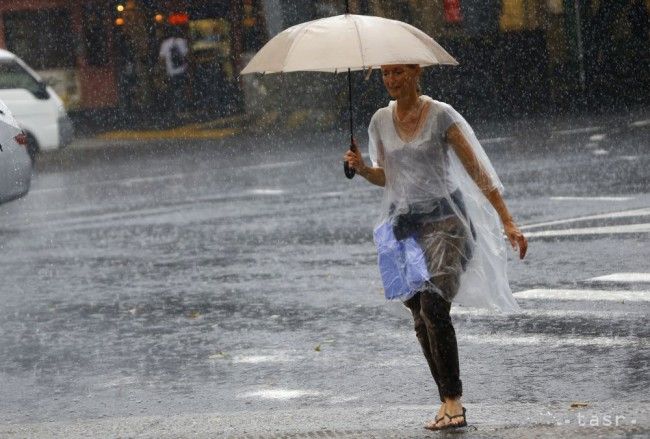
(43, 38)
(296, 11)
(95, 41)
(12, 76)
(252, 26)
(521, 15)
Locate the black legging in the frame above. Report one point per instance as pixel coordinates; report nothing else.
(436, 334)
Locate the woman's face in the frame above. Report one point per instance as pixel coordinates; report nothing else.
(399, 79)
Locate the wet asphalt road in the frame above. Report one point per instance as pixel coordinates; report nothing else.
(229, 287)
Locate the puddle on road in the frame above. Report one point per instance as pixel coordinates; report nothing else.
(281, 394)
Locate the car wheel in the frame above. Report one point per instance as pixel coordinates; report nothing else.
(32, 147)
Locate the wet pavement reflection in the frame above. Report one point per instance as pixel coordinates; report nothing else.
(240, 274)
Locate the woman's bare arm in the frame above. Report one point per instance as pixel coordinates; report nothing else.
(471, 163)
(374, 175)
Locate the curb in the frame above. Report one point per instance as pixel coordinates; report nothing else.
(181, 133)
(213, 129)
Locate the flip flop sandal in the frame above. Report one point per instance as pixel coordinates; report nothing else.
(459, 425)
(435, 421)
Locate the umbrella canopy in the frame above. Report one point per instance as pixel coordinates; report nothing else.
(347, 42)
(9, 127)
(344, 43)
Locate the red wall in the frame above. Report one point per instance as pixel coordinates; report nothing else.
(98, 84)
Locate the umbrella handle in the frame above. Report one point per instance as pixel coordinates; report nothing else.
(349, 172)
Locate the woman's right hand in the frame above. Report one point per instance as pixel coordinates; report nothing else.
(354, 158)
(516, 238)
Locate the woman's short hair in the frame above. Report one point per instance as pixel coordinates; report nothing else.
(416, 66)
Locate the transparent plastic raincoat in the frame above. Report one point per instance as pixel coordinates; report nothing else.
(430, 199)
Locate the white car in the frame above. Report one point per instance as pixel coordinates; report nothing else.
(15, 169)
(34, 104)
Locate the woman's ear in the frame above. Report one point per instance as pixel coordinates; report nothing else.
(416, 71)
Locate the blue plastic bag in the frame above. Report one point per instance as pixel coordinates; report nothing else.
(402, 264)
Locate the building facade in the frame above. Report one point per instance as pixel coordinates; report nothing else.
(105, 54)
(68, 43)
(520, 54)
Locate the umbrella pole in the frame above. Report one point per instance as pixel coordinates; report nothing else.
(350, 106)
(349, 173)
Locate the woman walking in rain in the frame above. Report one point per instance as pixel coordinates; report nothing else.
(441, 191)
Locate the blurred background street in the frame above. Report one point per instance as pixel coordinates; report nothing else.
(517, 57)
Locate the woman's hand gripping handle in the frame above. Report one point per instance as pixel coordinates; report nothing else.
(353, 160)
(348, 167)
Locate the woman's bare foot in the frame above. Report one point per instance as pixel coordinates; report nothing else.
(432, 425)
(454, 414)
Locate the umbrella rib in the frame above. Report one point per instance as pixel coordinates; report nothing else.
(363, 61)
(303, 31)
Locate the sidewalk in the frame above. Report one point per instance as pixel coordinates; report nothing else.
(300, 121)
(213, 129)
(207, 128)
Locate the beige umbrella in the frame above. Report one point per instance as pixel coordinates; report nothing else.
(354, 42)
(344, 43)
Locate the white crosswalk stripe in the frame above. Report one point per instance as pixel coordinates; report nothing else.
(602, 216)
(623, 277)
(554, 313)
(551, 340)
(605, 230)
(584, 294)
(591, 198)
(606, 318)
